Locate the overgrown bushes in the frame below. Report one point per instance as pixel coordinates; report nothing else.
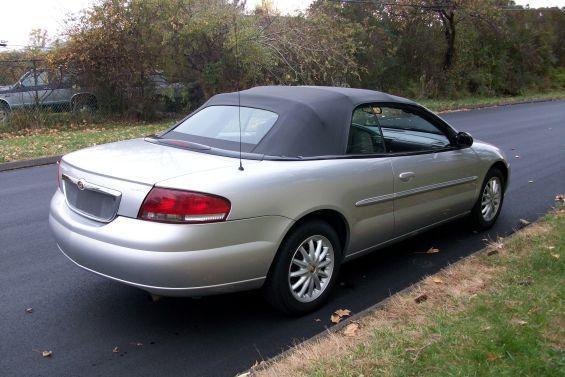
(417, 48)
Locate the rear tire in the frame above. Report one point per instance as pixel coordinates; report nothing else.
(305, 269)
(488, 206)
(4, 112)
(84, 104)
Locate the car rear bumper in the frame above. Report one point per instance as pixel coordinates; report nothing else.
(170, 259)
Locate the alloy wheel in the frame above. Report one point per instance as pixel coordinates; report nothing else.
(490, 201)
(311, 268)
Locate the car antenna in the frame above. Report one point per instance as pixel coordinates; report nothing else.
(238, 85)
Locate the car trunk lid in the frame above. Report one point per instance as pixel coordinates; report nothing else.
(143, 162)
(114, 179)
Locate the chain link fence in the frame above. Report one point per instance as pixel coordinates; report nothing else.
(34, 94)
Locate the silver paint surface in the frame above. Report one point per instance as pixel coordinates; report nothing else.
(268, 197)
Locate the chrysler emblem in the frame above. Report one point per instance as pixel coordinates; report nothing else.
(80, 184)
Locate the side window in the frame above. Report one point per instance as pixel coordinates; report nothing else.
(53, 77)
(404, 131)
(30, 80)
(365, 136)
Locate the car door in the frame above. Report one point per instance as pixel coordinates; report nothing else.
(34, 89)
(372, 196)
(433, 179)
(60, 90)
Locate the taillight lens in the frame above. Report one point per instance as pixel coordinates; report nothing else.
(177, 206)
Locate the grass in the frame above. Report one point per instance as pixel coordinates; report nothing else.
(29, 144)
(56, 140)
(475, 102)
(490, 315)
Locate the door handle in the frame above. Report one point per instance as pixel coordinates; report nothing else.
(407, 176)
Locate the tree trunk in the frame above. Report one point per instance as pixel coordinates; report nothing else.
(448, 21)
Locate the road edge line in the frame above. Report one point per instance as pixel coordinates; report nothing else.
(20, 164)
(481, 107)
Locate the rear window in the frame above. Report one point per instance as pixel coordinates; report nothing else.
(218, 126)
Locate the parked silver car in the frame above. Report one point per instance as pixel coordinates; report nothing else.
(44, 88)
(327, 174)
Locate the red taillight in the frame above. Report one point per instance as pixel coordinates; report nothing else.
(177, 206)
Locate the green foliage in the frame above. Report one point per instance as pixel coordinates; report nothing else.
(118, 43)
(424, 49)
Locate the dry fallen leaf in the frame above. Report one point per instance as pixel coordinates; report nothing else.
(338, 315)
(46, 353)
(491, 356)
(421, 298)
(524, 222)
(518, 322)
(437, 280)
(496, 245)
(351, 329)
(555, 256)
(29, 310)
(432, 250)
(116, 349)
(551, 247)
(335, 318)
(343, 312)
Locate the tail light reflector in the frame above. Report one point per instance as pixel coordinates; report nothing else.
(185, 207)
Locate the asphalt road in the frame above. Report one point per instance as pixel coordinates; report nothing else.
(82, 317)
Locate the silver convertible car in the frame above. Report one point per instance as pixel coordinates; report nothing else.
(326, 175)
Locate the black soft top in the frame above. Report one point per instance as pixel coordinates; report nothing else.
(313, 120)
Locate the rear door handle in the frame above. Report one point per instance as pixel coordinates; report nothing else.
(407, 176)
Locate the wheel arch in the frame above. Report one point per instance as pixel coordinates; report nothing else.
(500, 165)
(79, 95)
(5, 103)
(332, 217)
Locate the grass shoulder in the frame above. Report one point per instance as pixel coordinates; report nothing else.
(496, 313)
(56, 140)
(467, 103)
(28, 144)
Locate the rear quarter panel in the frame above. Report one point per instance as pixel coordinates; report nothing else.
(295, 188)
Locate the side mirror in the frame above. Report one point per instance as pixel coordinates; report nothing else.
(464, 140)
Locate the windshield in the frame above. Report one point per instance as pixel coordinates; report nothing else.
(218, 126)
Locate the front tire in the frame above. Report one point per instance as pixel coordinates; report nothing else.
(305, 269)
(488, 206)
